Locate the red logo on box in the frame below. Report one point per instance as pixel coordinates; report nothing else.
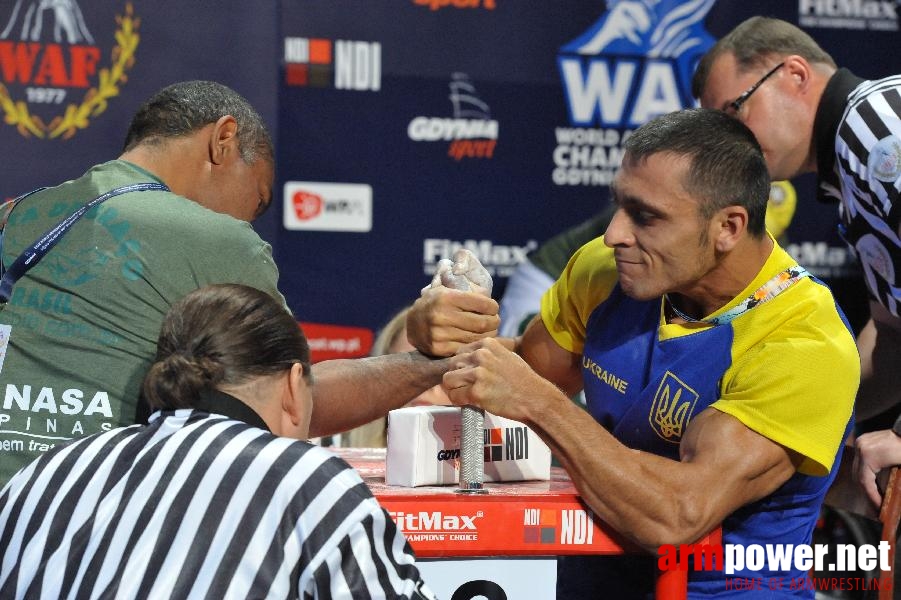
(306, 205)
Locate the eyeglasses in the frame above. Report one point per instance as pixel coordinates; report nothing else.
(736, 104)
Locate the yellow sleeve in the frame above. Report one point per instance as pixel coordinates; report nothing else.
(587, 280)
(796, 386)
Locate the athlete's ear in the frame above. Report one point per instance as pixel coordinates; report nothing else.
(729, 225)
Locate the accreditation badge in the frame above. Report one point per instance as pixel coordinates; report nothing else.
(5, 331)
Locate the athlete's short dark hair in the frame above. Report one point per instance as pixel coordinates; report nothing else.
(727, 164)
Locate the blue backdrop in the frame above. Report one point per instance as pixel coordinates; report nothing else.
(404, 129)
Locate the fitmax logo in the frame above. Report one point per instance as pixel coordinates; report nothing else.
(435, 521)
(439, 4)
(876, 15)
(866, 9)
(500, 260)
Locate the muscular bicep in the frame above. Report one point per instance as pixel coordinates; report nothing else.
(548, 359)
(732, 465)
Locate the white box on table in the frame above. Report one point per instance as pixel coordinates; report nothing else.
(424, 448)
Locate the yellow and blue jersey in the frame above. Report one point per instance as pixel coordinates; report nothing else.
(788, 369)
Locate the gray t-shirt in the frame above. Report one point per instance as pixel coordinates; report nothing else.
(80, 329)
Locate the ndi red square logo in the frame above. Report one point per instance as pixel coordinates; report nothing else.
(308, 61)
(539, 526)
(506, 443)
(340, 64)
(494, 444)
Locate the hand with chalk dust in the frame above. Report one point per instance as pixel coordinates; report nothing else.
(464, 273)
(455, 309)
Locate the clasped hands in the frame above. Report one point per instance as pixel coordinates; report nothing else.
(456, 317)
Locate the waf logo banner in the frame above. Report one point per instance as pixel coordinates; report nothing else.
(54, 76)
(632, 64)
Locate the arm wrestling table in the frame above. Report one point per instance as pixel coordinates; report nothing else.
(515, 522)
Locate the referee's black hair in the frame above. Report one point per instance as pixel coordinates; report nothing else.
(224, 334)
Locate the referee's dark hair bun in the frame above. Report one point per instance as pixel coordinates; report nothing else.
(219, 335)
(178, 380)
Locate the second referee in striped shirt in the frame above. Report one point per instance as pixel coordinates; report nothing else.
(215, 497)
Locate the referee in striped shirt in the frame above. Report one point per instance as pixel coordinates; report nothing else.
(215, 497)
(809, 115)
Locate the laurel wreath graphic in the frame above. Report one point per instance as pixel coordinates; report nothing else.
(95, 100)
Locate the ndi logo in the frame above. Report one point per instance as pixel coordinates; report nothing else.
(506, 443)
(342, 64)
(633, 64)
(539, 526)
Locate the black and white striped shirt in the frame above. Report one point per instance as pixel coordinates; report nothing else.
(198, 505)
(858, 143)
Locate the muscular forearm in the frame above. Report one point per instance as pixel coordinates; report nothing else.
(641, 495)
(651, 499)
(655, 500)
(350, 392)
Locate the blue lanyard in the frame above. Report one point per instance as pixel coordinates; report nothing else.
(33, 255)
(769, 290)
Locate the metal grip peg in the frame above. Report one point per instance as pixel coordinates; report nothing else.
(472, 451)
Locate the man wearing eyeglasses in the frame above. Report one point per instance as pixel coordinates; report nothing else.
(809, 116)
(715, 371)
